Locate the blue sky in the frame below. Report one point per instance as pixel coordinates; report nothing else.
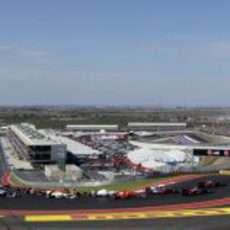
(122, 52)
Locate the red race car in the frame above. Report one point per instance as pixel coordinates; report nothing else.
(129, 194)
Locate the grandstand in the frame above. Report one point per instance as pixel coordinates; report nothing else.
(187, 140)
(92, 127)
(156, 126)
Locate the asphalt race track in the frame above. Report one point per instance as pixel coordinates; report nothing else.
(32, 204)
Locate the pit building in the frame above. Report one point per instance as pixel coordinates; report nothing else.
(34, 146)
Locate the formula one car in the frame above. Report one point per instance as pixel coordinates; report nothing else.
(59, 195)
(159, 190)
(210, 184)
(124, 195)
(130, 194)
(103, 193)
(194, 191)
(2, 192)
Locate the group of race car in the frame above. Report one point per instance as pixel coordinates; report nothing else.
(202, 187)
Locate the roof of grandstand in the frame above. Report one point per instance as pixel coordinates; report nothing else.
(160, 124)
(74, 146)
(91, 127)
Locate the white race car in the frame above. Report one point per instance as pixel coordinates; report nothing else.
(2, 192)
(56, 194)
(104, 193)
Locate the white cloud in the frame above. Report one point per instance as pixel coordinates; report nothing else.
(23, 51)
(219, 48)
(7, 48)
(30, 53)
(101, 74)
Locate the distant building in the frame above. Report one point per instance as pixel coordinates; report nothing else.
(92, 127)
(34, 146)
(156, 126)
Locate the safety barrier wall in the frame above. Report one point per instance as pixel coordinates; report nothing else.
(60, 184)
(225, 172)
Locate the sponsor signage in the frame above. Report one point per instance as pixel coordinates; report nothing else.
(211, 152)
